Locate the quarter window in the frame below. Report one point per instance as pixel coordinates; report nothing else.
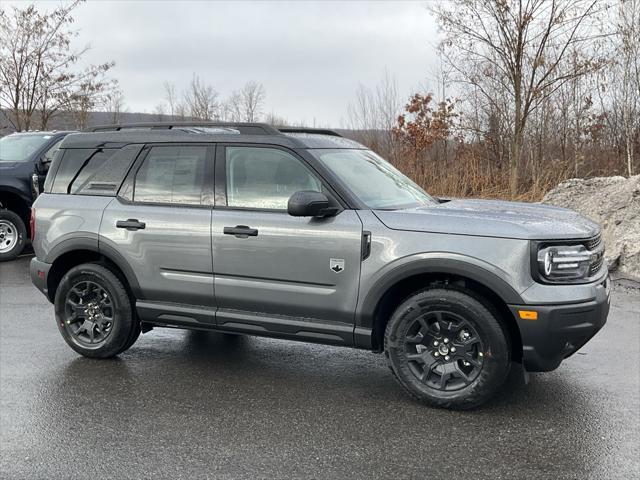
(265, 178)
(172, 175)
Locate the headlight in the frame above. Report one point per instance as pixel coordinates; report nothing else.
(559, 263)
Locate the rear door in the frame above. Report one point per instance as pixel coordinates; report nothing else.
(160, 224)
(273, 272)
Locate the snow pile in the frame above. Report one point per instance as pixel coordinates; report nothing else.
(613, 202)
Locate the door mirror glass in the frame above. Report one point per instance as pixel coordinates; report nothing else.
(308, 203)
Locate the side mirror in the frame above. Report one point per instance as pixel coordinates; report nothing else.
(42, 165)
(309, 203)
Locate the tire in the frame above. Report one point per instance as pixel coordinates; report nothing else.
(135, 333)
(447, 349)
(13, 235)
(94, 312)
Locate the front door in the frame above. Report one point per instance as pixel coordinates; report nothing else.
(160, 223)
(276, 273)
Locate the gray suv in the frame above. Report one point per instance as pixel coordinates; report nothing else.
(305, 235)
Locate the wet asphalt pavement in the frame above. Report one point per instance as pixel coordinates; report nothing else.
(196, 405)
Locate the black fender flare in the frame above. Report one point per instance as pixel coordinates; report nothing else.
(18, 192)
(436, 263)
(89, 241)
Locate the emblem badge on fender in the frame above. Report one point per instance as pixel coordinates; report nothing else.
(336, 264)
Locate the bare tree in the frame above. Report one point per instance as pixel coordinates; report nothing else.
(159, 112)
(115, 105)
(171, 97)
(374, 114)
(37, 67)
(201, 100)
(253, 96)
(276, 120)
(519, 47)
(233, 108)
(89, 97)
(245, 105)
(629, 71)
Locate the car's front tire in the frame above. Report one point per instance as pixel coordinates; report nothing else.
(447, 349)
(13, 235)
(94, 312)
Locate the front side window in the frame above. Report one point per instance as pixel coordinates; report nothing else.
(173, 175)
(373, 180)
(21, 147)
(265, 178)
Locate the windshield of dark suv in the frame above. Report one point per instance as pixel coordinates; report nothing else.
(20, 148)
(378, 184)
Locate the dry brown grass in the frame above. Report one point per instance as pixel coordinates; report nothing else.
(472, 176)
(458, 169)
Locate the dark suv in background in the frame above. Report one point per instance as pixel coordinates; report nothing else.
(24, 161)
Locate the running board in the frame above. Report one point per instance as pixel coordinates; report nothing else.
(225, 320)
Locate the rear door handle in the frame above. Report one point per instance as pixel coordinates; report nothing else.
(241, 231)
(131, 224)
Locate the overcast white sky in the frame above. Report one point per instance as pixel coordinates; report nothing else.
(310, 56)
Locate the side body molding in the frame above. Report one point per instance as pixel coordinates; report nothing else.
(425, 263)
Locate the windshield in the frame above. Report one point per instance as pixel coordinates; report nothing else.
(378, 184)
(20, 148)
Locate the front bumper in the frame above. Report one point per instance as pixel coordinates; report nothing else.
(561, 330)
(39, 272)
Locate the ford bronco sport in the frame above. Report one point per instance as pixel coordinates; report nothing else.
(24, 160)
(305, 235)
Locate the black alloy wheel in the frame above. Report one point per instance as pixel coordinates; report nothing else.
(89, 314)
(444, 350)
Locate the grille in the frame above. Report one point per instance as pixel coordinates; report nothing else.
(594, 267)
(595, 245)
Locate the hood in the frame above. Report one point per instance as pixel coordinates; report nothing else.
(16, 170)
(492, 218)
(7, 165)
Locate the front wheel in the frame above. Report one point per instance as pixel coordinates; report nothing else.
(447, 349)
(13, 235)
(94, 312)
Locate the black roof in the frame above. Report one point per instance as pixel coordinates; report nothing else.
(206, 132)
(244, 128)
(45, 132)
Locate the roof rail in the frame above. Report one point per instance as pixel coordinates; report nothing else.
(317, 131)
(243, 128)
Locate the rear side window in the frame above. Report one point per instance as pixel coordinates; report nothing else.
(73, 163)
(171, 175)
(94, 163)
(90, 171)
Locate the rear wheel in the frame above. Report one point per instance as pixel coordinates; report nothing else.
(13, 235)
(447, 349)
(94, 312)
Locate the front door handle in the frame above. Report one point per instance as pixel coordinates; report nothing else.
(131, 224)
(241, 231)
